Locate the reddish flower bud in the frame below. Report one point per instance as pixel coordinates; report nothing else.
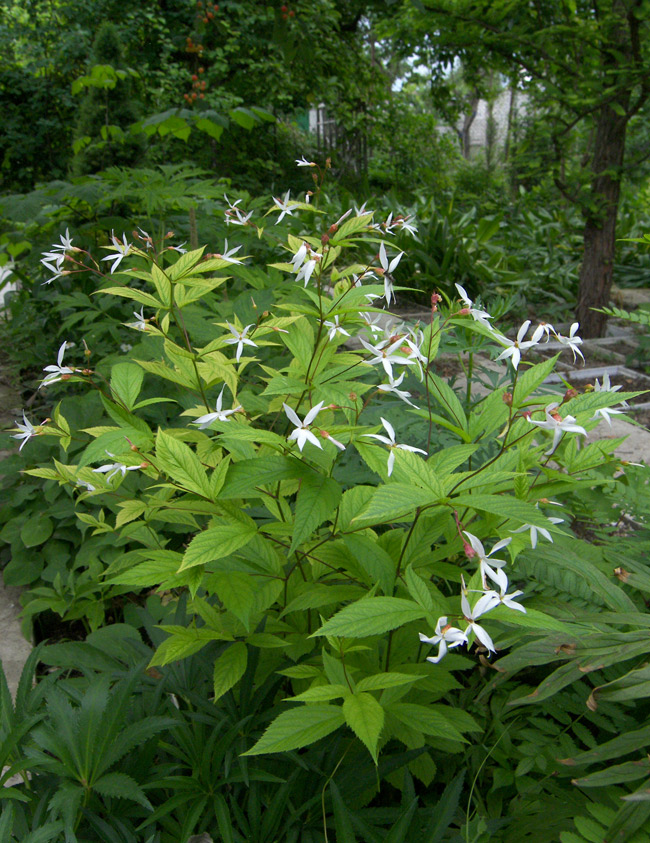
(325, 239)
(507, 398)
(333, 228)
(569, 394)
(201, 70)
(144, 465)
(291, 13)
(284, 9)
(470, 553)
(464, 311)
(194, 77)
(526, 414)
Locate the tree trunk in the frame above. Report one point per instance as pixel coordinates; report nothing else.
(468, 119)
(600, 219)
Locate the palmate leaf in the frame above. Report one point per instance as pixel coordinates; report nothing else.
(299, 727)
(371, 616)
(123, 787)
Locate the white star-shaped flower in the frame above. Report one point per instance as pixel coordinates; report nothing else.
(535, 531)
(284, 206)
(239, 338)
(218, 415)
(515, 347)
(141, 323)
(471, 616)
(27, 430)
(491, 599)
(385, 353)
(386, 269)
(490, 566)
(446, 636)
(302, 433)
(111, 469)
(122, 247)
(572, 341)
(335, 328)
(392, 444)
(54, 262)
(557, 425)
(56, 372)
(392, 387)
(303, 162)
(228, 254)
(481, 316)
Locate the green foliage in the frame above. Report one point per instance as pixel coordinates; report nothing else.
(210, 484)
(108, 108)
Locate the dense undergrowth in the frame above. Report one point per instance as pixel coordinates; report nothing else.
(243, 524)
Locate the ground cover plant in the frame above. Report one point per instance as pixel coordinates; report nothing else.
(283, 525)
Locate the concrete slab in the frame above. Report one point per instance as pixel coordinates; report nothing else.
(636, 447)
(630, 298)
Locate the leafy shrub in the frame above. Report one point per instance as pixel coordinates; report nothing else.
(251, 512)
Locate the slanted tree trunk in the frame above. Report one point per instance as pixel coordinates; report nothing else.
(600, 218)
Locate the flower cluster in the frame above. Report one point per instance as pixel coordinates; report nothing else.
(54, 259)
(447, 636)
(514, 348)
